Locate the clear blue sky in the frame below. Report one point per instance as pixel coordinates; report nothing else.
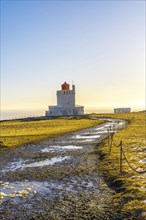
(100, 45)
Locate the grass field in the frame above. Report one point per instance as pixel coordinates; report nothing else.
(131, 185)
(15, 132)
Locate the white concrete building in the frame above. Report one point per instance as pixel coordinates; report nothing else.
(65, 103)
(122, 110)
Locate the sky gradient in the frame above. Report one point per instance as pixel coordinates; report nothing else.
(99, 45)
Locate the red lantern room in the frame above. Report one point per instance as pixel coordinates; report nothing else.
(65, 86)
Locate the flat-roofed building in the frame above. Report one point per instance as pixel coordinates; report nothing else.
(122, 110)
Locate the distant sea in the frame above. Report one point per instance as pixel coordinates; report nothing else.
(16, 114)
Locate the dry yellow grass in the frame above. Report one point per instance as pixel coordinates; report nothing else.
(131, 185)
(15, 133)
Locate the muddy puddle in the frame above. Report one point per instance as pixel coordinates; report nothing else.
(23, 189)
(22, 164)
(61, 148)
(61, 171)
(86, 136)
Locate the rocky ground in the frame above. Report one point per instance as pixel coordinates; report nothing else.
(57, 178)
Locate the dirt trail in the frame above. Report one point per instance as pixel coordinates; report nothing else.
(57, 178)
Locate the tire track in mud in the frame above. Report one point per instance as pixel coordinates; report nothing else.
(57, 178)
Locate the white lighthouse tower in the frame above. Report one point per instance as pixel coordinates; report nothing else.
(65, 103)
(66, 97)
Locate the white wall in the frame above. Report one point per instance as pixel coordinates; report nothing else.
(66, 98)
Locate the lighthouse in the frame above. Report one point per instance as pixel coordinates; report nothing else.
(65, 103)
(65, 96)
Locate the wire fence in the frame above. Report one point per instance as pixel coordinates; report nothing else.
(122, 155)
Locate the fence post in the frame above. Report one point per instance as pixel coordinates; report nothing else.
(109, 139)
(121, 153)
(111, 143)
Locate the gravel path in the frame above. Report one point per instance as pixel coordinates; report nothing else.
(57, 178)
